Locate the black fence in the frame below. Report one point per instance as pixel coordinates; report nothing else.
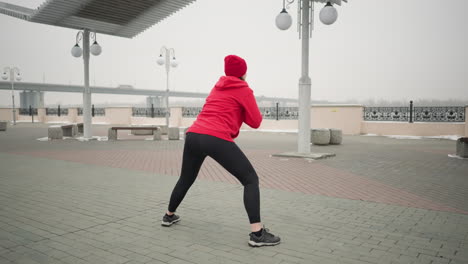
(28, 111)
(149, 112)
(191, 112)
(275, 113)
(94, 111)
(57, 111)
(280, 113)
(415, 114)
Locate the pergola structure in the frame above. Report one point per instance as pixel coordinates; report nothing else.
(121, 18)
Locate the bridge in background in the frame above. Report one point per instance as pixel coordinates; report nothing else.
(49, 87)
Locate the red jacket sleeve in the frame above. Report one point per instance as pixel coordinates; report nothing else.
(252, 115)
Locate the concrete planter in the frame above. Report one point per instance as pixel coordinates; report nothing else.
(55, 132)
(462, 147)
(336, 136)
(320, 136)
(3, 126)
(174, 133)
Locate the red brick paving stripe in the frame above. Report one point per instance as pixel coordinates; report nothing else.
(294, 175)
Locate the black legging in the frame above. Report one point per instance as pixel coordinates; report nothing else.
(229, 155)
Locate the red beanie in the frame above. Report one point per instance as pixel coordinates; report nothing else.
(234, 66)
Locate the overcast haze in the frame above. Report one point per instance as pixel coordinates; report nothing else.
(381, 49)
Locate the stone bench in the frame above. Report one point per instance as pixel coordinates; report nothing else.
(142, 132)
(462, 147)
(112, 132)
(80, 128)
(3, 125)
(69, 130)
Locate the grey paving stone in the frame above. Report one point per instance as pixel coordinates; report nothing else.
(99, 214)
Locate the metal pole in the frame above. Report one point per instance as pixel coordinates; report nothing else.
(304, 83)
(167, 64)
(31, 113)
(277, 111)
(87, 133)
(12, 80)
(411, 112)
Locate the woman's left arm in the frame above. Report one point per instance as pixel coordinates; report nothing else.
(252, 115)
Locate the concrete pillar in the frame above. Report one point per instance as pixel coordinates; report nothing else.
(466, 121)
(157, 134)
(174, 133)
(41, 115)
(73, 115)
(112, 134)
(164, 130)
(176, 117)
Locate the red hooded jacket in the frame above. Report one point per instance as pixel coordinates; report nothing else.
(230, 103)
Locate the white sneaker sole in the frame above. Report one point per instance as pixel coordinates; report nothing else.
(261, 244)
(169, 223)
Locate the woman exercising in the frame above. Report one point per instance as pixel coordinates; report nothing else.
(230, 103)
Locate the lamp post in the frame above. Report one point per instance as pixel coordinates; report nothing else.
(168, 62)
(76, 51)
(328, 15)
(14, 75)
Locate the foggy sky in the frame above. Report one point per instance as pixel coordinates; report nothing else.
(395, 50)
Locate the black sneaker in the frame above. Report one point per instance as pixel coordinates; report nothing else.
(169, 220)
(266, 239)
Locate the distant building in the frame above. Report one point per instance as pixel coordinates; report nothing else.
(35, 99)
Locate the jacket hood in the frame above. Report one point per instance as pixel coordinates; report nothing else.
(230, 82)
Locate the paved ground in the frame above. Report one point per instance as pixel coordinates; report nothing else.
(379, 200)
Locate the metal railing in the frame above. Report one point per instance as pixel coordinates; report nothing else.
(280, 113)
(99, 111)
(415, 114)
(191, 112)
(57, 111)
(275, 113)
(439, 114)
(28, 111)
(149, 112)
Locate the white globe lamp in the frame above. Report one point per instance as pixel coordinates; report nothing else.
(174, 62)
(96, 49)
(161, 60)
(76, 51)
(283, 20)
(328, 15)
